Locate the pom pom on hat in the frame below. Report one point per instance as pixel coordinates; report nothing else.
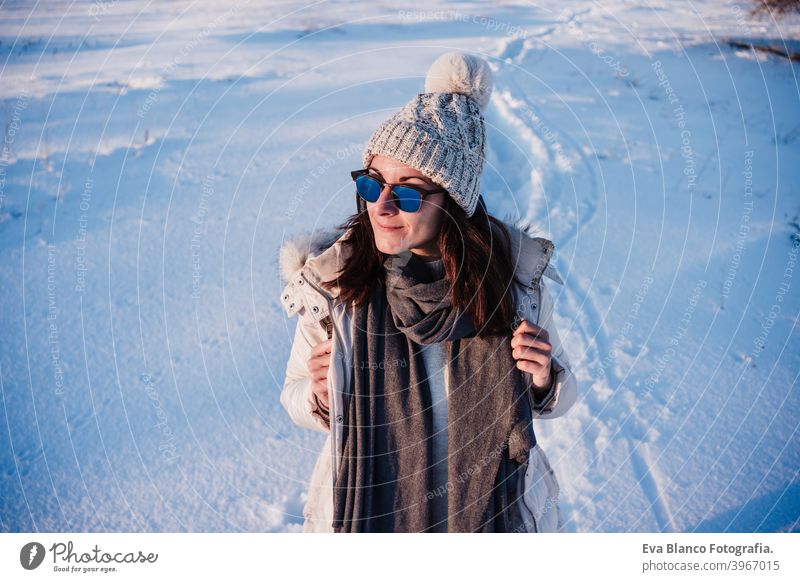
(458, 72)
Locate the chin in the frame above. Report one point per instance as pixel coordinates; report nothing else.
(389, 245)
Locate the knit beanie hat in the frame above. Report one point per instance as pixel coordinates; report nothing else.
(441, 132)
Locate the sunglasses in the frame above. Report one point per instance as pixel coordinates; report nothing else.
(408, 198)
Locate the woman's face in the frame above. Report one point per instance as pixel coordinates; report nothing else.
(396, 231)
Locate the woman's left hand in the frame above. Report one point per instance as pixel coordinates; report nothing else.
(531, 348)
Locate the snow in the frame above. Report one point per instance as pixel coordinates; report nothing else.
(155, 158)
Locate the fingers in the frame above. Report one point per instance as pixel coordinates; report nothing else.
(320, 355)
(532, 340)
(528, 327)
(319, 383)
(320, 360)
(529, 341)
(322, 348)
(531, 348)
(318, 365)
(534, 355)
(535, 369)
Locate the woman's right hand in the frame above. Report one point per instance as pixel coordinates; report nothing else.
(318, 365)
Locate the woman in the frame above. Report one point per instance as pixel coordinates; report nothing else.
(426, 388)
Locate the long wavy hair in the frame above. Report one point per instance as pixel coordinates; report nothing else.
(480, 270)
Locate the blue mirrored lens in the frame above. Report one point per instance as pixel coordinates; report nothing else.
(368, 188)
(408, 199)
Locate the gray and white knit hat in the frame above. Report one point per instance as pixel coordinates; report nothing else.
(441, 132)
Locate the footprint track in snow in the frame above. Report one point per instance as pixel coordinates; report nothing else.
(518, 120)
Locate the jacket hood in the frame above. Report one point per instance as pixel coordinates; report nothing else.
(321, 254)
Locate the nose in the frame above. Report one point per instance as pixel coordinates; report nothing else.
(385, 202)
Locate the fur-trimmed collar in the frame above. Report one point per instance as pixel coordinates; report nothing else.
(320, 252)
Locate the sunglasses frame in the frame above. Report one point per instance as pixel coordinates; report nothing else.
(423, 193)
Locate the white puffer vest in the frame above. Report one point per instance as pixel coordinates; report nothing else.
(307, 260)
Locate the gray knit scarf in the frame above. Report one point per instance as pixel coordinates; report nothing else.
(385, 479)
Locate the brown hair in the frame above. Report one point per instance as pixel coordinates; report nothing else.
(479, 269)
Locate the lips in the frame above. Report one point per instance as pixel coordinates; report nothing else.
(389, 228)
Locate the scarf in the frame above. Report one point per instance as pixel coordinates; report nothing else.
(385, 478)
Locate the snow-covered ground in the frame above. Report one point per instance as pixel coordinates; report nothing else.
(156, 155)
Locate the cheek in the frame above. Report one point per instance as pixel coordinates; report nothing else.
(430, 222)
(421, 229)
